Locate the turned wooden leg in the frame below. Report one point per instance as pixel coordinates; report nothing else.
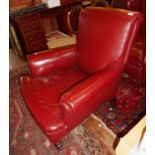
(112, 103)
(58, 146)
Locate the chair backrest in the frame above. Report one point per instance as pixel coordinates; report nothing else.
(105, 36)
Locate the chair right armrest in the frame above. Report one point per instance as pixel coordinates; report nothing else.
(86, 96)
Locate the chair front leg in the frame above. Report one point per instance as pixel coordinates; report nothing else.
(58, 146)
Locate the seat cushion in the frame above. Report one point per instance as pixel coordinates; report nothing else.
(44, 107)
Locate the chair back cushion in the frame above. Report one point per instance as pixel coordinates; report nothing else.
(105, 35)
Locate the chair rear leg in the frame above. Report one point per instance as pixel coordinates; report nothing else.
(112, 103)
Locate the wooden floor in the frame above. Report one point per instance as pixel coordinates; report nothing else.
(14, 60)
(118, 146)
(96, 126)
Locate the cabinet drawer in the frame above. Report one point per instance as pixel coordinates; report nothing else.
(64, 2)
(31, 29)
(32, 33)
(37, 46)
(28, 19)
(35, 37)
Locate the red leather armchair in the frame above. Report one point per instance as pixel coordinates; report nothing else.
(136, 66)
(67, 84)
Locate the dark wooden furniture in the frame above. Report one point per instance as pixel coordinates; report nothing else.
(31, 33)
(32, 28)
(73, 19)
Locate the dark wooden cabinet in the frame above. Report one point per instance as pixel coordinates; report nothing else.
(33, 27)
(31, 33)
(64, 2)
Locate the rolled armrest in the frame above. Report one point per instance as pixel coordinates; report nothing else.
(45, 62)
(88, 95)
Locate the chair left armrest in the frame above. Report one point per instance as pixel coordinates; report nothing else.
(46, 62)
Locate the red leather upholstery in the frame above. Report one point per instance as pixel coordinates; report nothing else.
(47, 62)
(69, 83)
(42, 96)
(90, 93)
(97, 32)
(136, 63)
